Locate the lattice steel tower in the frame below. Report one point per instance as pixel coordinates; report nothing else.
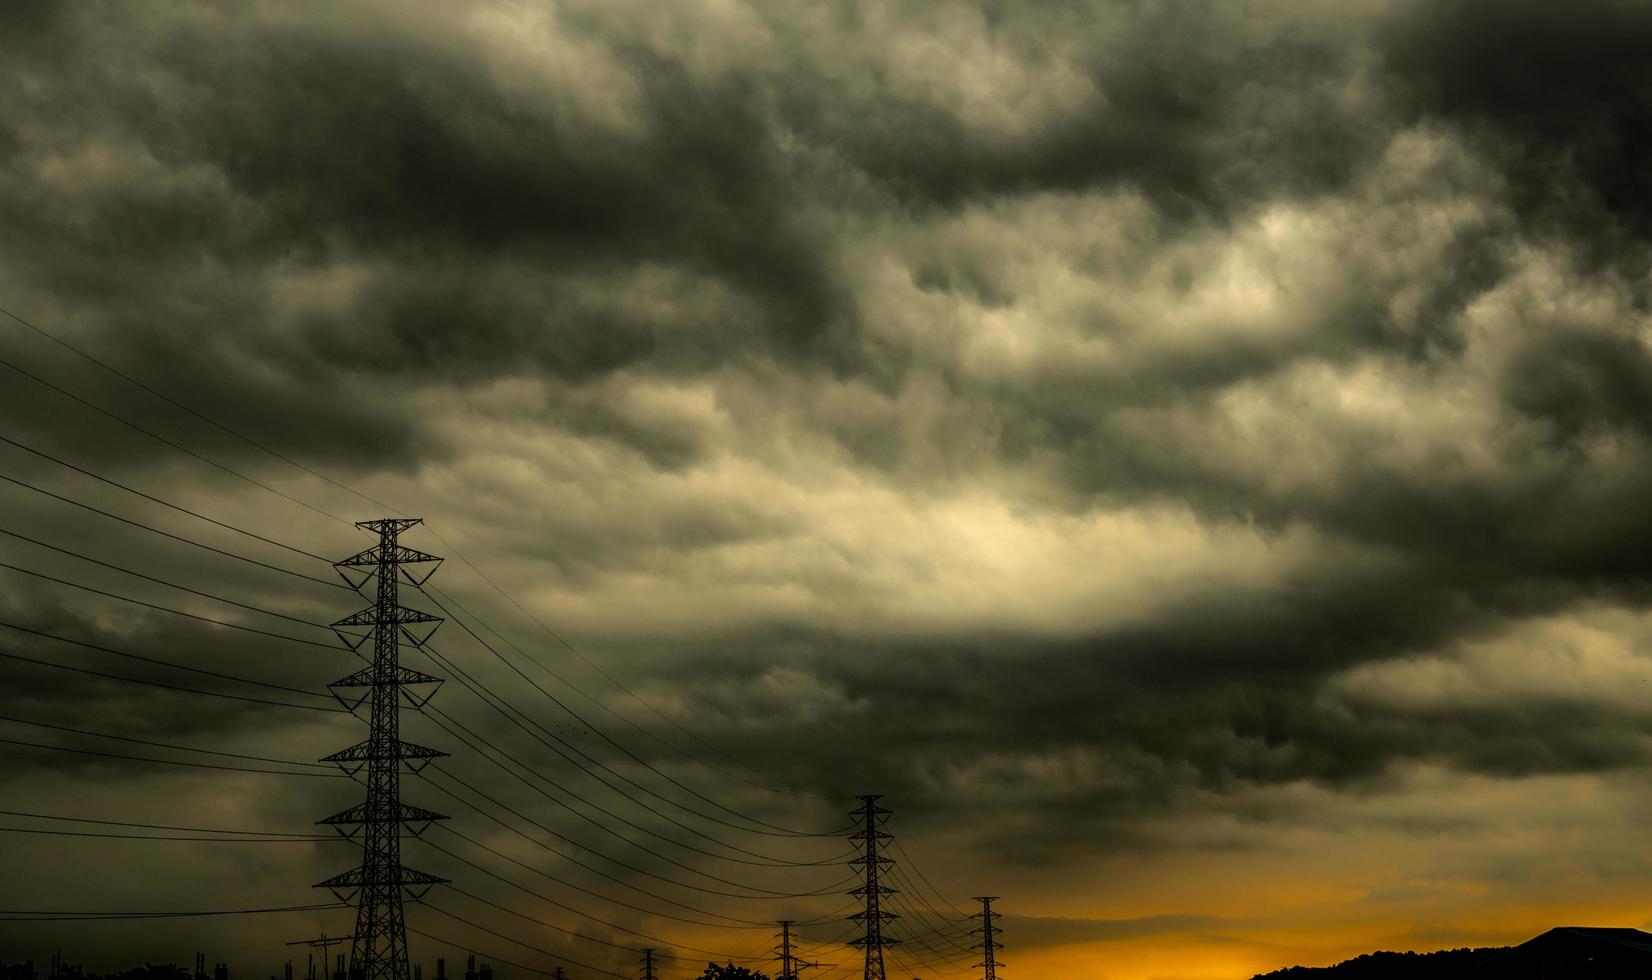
(378, 950)
(790, 965)
(870, 840)
(989, 945)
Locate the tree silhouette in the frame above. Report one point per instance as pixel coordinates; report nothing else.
(730, 972)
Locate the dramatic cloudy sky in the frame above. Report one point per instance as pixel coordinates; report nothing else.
(1192, 457)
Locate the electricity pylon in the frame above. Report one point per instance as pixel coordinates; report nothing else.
(870, 840)
(789, 963)
(378, 950)
(989, 945)
(648, 964)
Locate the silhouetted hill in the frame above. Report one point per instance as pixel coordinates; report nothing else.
(1581, 952)
(1448, 963)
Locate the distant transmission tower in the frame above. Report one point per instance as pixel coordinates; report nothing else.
(378, 950)
(989, 946)
(870, 840)
(648, 964)
(790, 965)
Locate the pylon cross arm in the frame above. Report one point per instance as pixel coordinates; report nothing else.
(359, 878)
(362, 814)
(375, 556)
(401, 616)
(365, 677)
(369, 750)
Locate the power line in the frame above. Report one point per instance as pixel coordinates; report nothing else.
(14, 915)
(270, 633)
(731, 924)
(310, 839)
(907, 858)
(651, 852)
(627, 691)
(180, 405)
(583, 966)
(592, 939)
(174, 445)
(165, 441)
(743, 923)
(166, 609)
(127, 570)
(168, 534)
(150, 578)
(489, 698)
(329, 647)
(517, 717)
(457, 554)
(171, 584)
(167, 762)
(773, 830)
(163, 663)
(557, 903)
(154, 499)
(159, 684)
(927, 918)
(443, 721)
(32, 815)
(162, 745)
(499, 959)
(766, 895)
(208, 693)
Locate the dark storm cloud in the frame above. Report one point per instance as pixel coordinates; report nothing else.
(699, 343)
(1203, 113)
(1558, 94)
(392, 146)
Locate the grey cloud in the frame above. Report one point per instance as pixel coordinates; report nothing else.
(1557, 94)
(1274, 274)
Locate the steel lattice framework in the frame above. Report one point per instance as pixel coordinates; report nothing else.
(790, 965)
(870, 840)
(377, 887)
(989, 945)
(785, 951)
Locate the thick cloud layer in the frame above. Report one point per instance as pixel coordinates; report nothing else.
(1125, 435)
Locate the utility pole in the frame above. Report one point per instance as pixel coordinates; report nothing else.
(325, 943)
(378, 950)
(648, 964)
(556, 974)
(870, 840)
(989, 945)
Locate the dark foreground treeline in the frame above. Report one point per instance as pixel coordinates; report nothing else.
(1447, 964)
(172, 971)
(149, 971)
